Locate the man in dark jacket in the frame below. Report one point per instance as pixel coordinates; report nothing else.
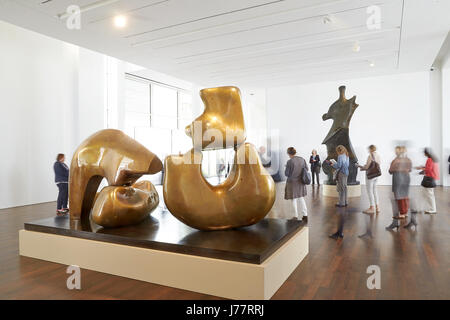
(62, 181)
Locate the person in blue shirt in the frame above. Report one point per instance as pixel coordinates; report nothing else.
(341, 166)
(62, 181)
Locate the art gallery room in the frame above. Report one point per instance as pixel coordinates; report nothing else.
(225, 150)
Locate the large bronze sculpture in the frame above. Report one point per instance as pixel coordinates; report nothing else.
(121, 160)
(247, 194)
(243, 199)
(341, 112)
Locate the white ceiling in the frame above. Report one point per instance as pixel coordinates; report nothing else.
(260, 43)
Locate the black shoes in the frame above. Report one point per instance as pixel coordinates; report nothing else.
(367, 234)
(393, 225)
(336, 236)
(410, 224)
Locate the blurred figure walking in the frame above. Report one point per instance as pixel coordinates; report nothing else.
(295, 188)
(314, 160)
(400, 168)
(431, 174)
(372, 165)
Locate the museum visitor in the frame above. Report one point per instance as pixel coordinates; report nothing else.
(341, 167)
(314, 160)
(371, 183)
(62, 182)
(431, 174)
(295, 187)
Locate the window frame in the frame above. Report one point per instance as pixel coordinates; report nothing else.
(152, 83)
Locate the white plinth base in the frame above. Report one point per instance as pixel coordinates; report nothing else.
(223, 278)
(331, 191)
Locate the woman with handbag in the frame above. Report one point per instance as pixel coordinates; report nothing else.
(373, 171)
(341, 166)
(314, 160)
(295, 186)
(431, 174)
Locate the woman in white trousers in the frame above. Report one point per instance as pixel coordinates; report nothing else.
(295, 190)
(371, 184)
(431, 175)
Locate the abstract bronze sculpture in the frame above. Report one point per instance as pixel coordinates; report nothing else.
(123, 206)
(122, 161)
(243, 199)
(221, 125)
(341, 112)
(246, 196)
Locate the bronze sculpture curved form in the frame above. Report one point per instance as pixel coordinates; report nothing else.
(243, 199)
(109, 154)
(222, 123)
(341, 112)
(123, 206)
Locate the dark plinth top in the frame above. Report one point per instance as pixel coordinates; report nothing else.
(162, 231)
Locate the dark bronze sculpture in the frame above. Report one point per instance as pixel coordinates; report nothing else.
(341, 112)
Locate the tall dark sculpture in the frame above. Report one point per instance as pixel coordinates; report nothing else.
(341, 112)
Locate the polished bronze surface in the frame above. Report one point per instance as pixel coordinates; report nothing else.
(341, 112)
(109, 154)
(222, 123)
(161, 231)
(243, 199)
(123, 206)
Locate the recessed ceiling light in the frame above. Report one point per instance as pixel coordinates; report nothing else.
(356, 47)
(120, 21)
(372, 64)
(327, 19)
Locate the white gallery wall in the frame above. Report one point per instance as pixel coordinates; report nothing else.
(51, 97)
(391, 109)
(446, 121)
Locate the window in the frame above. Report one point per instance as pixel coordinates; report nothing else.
(156, 115)
(137, 105)
(164, 107)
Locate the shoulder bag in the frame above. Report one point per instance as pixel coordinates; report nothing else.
(428, 182)
(306, 177)
(374, 169)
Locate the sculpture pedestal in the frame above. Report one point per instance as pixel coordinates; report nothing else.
(353, 191)
(246, 263)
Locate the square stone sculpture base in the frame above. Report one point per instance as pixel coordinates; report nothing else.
(198, 271)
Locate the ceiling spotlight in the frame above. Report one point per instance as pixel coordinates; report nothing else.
(327, 19)
(356, 47)
(120, 21)
(372, 64)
